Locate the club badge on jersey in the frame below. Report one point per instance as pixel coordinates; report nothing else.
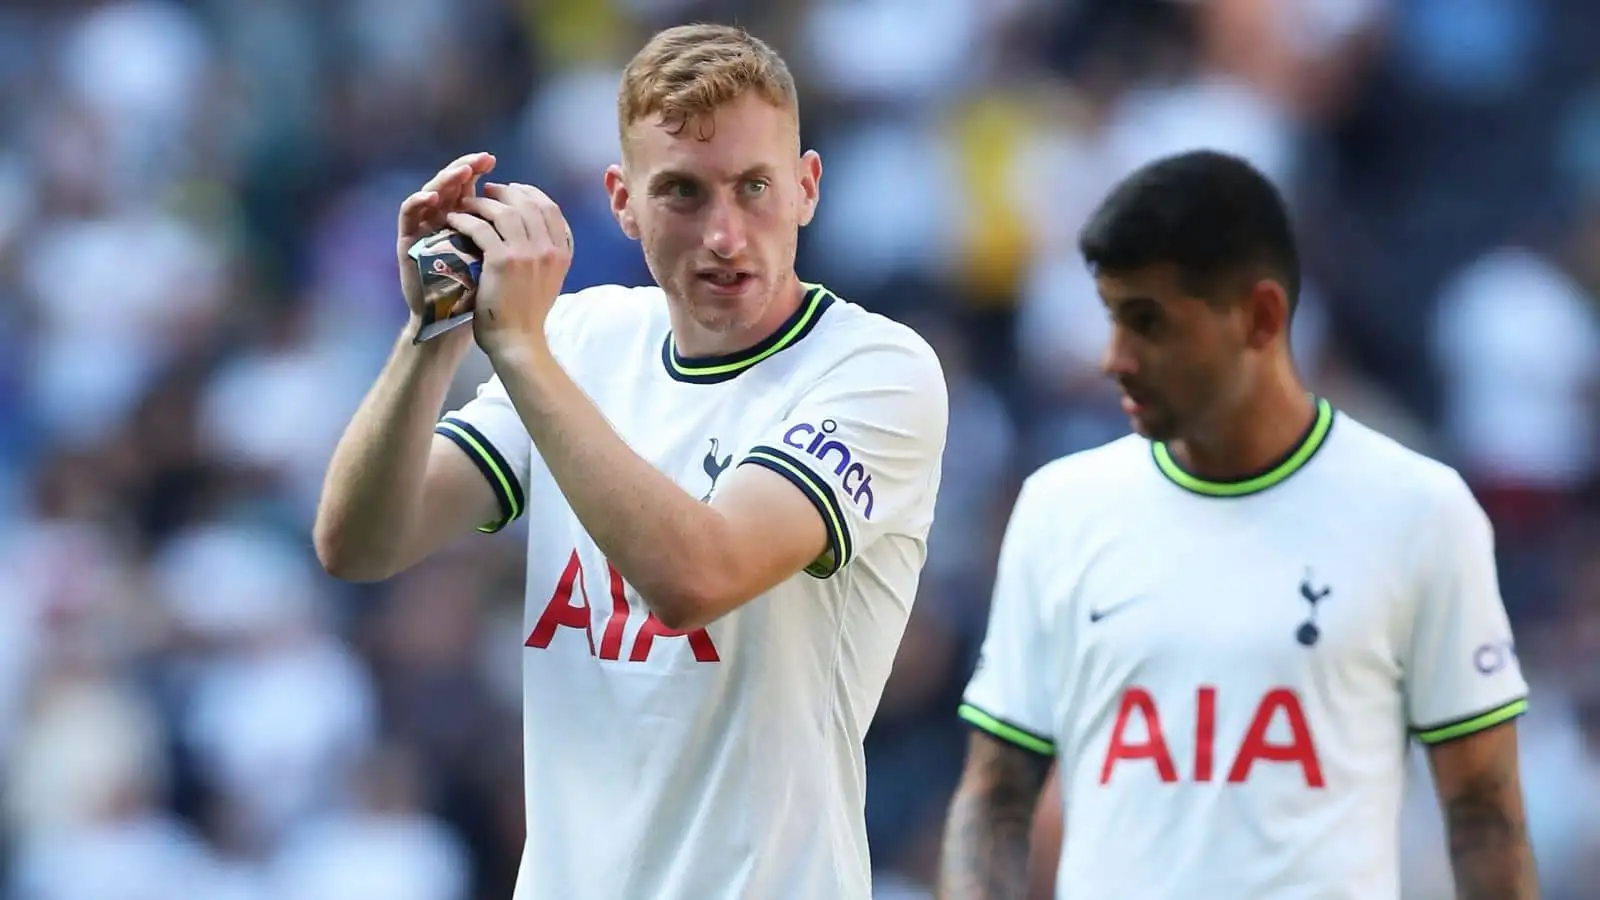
(449, 264)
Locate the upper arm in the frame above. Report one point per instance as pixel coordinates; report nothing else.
(1012, 776)
(456, 500)
(477, 474)
(1478, 771)
(863, 446)
(857, 457)
(1461, 674)
(1464, 689)
(772, 532)
(1008, 696)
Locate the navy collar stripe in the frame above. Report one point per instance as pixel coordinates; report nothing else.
(715, 369)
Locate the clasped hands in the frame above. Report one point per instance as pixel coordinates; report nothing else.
(525, 242)
(527, 250)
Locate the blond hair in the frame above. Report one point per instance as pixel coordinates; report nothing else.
(686, 72)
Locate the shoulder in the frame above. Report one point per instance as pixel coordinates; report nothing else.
(1106, 470)
(1068, 497)
(1423, 505)
(851, 339)
(608, 311)
(1363, 461)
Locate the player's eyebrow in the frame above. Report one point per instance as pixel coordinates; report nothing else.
(1119, 303)
(672, 176)
(759, 170)
(669, 176)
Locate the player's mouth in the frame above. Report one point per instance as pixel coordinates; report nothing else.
(725, 282)
(1133, 403)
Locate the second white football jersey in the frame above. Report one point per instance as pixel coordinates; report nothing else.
(725, 763)
(1229, 674)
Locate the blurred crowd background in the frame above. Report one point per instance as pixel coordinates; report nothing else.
(197, 284)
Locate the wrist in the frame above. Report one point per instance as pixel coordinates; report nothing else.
(448, 348)
(527, 362)
(519, 351)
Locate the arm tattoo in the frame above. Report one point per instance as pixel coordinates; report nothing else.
(991, 820)
(1489, 849)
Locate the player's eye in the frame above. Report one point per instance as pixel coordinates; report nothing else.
(679, 190)
(1144, 323)
(756, 186)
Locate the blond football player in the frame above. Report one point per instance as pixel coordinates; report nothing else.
(728, 479)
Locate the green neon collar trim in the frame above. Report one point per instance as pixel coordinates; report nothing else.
(1313, 440)
(714, 369)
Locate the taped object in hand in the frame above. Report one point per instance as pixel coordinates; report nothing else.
(448, 263)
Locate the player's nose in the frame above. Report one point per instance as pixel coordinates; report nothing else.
(1118, 359)
(725, 234)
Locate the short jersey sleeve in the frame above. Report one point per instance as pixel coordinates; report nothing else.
(1461, 675)
(492, 435)
(864, 444)
(1008, 695)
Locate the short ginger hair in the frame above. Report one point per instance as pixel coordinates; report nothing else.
(688, 71)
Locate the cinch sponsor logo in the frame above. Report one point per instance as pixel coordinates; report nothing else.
(814, 441)
(1492, 657)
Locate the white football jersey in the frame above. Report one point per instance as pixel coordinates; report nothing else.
(725, 763)
(1228, 674)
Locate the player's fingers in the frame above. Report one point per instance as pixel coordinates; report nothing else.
(460, 170)
(482, 164)
(509, 222)
(549, 219)
(448, 179)
(480, 230)
(460, 178)
(553, 222)
(416, 209)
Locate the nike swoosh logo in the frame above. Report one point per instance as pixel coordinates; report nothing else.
(1096, 615)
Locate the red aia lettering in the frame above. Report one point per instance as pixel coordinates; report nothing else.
(1153, 747)
(1300, 748)
(562, 612)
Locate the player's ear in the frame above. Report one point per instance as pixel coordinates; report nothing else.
(617, 190)
(810, 185)
(1266, 313)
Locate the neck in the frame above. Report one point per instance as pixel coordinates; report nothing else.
(1253, 436)
(691, 339)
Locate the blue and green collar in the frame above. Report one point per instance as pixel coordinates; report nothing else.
(715, 369)
(1296, 459)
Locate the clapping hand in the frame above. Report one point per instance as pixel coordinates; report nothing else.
(427, 210)
(527, 250)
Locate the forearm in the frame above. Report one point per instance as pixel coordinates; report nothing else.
(1480, 794)
(663, 541)
(990, 826)
(985, 852)
(374, 480)
(1489, 852)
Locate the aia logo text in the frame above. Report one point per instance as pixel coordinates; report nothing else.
(1139, 739)
(569, 607)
